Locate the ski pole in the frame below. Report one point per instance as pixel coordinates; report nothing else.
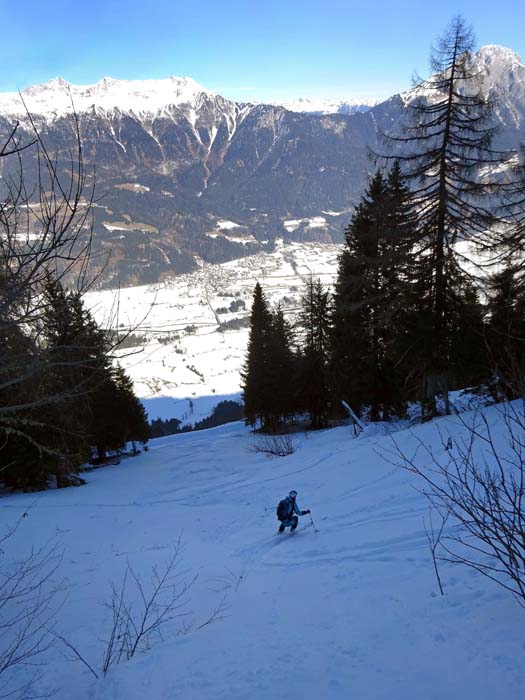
(312, 521)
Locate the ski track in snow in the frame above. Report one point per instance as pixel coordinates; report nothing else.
(350, 611)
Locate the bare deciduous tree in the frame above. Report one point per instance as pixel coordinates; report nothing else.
(140, 612)
(277, 446)
(139, 615)
(29, 597)
(477, 487)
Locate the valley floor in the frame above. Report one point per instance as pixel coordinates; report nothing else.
(352, 611)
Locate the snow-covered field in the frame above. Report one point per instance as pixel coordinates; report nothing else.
(187, 364)
(352, 611)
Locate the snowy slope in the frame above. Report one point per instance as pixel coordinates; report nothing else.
(350, 612)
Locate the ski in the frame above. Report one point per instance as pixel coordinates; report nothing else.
(299, 529)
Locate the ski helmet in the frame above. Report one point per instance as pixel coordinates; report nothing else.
(293, 494)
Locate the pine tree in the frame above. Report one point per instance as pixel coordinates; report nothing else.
(282, 370)
(257, 395)
(369, 295)
(348, 343)
(88, 401)
(314, 321)
(50, 436)
(131, 410)
(506, 330)
(463, 349)
(23, 462)
(446, 143)
(68, 363)
(78, 354)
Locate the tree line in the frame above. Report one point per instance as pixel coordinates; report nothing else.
(224, 412)
(429, 295)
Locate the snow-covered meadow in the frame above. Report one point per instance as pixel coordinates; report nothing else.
(187, 363)
(350, 611)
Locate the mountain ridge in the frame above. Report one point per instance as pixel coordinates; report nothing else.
(177, 90)
(185, 159)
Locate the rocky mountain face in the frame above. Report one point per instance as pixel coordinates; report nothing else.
(183, 172)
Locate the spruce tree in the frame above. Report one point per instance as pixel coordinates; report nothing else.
(282, 369)
(24, 461)
(369, 296)
(117, 415)
(506, 331)
(257, 393)
(314, 321)
(67, 364)
(79, 352)
(348, 343)
(131, 409)
(50, 393)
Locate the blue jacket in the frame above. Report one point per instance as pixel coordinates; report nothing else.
(295, 508)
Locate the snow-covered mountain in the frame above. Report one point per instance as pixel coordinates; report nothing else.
(58, 97)
(503, 75)
(174, 161)
(502, 69)
(319, 106)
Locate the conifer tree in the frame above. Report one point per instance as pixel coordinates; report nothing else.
(445, 146)
(282, 369)
(257, 394)
(78, 355)
(464, 348)
(87, 400)
(117, 416)
(369, 296)
(50, 434)
(348, 343)
(132, 410)
(314, 321)
(68, 363)
(23, 463)
(506, 330)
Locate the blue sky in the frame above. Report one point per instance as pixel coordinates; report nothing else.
(246, 50)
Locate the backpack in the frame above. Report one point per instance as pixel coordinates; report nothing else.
(284, 509)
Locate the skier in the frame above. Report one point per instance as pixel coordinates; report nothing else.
(285, 512)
